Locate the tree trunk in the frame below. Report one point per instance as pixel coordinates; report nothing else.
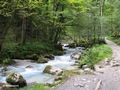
(0, 45)
(4, 32)
(23, 37)
(101, 15)
(57, 35)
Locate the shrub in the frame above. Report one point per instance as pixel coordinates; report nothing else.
(95, 55)
(30, 50)
(7, 61)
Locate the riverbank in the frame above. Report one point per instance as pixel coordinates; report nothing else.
(33, 51)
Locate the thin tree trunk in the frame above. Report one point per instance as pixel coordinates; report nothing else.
(94, 29)
(4, 32)
(57, 35)
(0, 45)
(23, 37)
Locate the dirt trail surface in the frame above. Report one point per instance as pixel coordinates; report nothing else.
(106, 76)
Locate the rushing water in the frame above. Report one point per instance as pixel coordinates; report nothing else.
(34, 73)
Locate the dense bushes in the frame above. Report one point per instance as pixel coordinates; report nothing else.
(30, 50)
(95, 55)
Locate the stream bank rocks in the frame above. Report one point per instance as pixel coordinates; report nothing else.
(16, 79)
(52, 70)
(75, 56)
(4, 69)
(45, 59)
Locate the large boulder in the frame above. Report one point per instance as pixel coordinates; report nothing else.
(16, 79)
(52, 70)
(75, 56)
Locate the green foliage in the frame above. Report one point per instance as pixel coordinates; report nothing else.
(115, 39)
(37, 87)
(31, 50)
(85, 22)
(7, 61)
(95, 55)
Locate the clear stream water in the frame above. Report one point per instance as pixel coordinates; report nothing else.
(35, 72)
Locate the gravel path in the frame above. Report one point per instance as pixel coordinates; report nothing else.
(109, 75)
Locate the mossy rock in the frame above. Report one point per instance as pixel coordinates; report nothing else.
(72, 45)
(58, 78)
(16, 79)
(50, 56)
(42, 59)
(52, 70)
(33, 56)
(47, 69)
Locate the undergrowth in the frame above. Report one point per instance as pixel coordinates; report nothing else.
(22, 52)
(95, 55)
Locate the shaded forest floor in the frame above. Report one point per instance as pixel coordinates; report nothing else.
(106, 75)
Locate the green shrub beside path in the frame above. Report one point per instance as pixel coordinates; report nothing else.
(95, 55)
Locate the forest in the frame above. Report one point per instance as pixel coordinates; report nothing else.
(36, 27)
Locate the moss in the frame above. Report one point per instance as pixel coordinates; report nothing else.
(40, 59)
(47, 69)
(12, 73)
(9, 79)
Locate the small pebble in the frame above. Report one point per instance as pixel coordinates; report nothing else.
(84, 79)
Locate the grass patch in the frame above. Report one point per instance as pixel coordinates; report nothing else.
(37, 87)
(95, 55)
